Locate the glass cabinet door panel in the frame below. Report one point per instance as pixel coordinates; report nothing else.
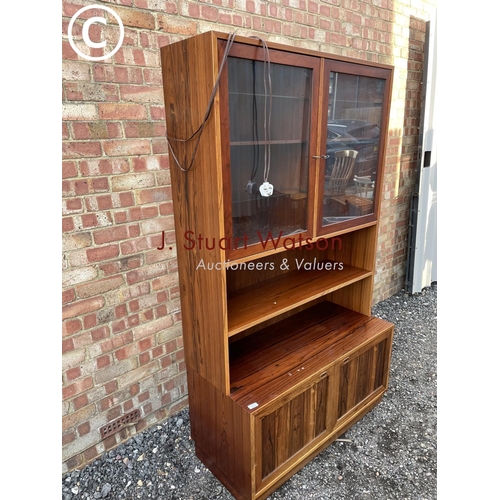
(353, 134)
(269, 128)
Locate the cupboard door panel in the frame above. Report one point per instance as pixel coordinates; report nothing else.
(292, 427)
(361, 376)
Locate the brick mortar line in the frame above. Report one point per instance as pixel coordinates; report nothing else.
(282, 20)
(97, 386)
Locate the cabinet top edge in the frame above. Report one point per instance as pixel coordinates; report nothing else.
(296, 50)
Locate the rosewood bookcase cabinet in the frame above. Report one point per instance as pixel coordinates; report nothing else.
(276, 159)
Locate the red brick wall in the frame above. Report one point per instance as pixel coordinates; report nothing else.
(122, 344)
(401, 157)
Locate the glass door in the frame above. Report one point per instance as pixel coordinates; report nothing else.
(352, 145)
(270, 121)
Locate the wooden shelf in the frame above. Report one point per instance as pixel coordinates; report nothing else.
(280, 357)
(257, 303)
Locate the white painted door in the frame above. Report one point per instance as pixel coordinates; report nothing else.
(422, 253)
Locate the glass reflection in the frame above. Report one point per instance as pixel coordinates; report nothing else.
(269, 138)
(352, 146)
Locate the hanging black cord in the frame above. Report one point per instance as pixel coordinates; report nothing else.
(199, 130)
(256, 148)
(267, 115)
(268, 65)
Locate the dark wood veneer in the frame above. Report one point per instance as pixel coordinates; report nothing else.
(280, 362)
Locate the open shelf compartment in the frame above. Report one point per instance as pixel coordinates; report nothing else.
(267, 364)
(257, 303)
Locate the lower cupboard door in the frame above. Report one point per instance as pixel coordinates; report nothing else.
(363, 375)
(289, 431)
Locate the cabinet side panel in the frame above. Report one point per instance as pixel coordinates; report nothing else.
(189, 73)
(357, 296)
(356, 248)
(363, 250)
(221, 431)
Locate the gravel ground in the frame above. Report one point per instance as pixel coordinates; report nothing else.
(390, 454)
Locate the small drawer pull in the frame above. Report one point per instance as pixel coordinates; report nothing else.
(345, 360)
(323, 375)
